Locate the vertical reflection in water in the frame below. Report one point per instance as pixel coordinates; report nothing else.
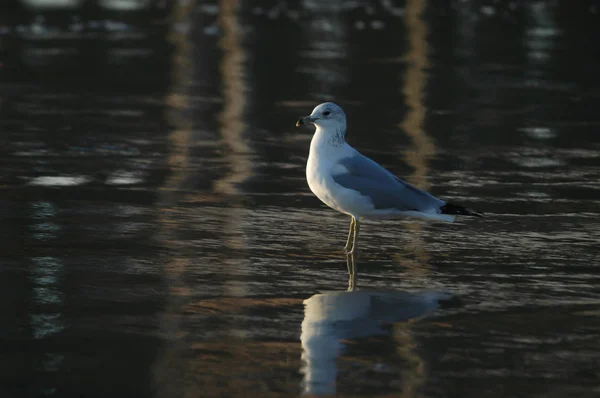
(234, 87)
(46, 317)
(465, 68)
(413, 372)
(46, 277)
(44, 228)
(414, 92)
(180, 138)
(540, 33)
(46, 312)
(540, 41)
(170, 365)
(328, 47)
(232, 130)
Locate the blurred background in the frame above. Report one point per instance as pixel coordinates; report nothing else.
(158, 238)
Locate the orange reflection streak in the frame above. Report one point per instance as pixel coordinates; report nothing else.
(170, 365)
(238, 151)
(414, 372)
(180, 138)
(414, 92)
(231, 118)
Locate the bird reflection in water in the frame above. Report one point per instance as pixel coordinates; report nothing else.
(351, 271)
(332, 317)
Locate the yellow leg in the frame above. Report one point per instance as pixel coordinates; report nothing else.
(350, 265)
(349, 249)
(350, 234)
(356, 229)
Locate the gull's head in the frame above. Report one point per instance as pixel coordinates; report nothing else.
(327, 116)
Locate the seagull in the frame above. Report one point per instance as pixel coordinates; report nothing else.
(351, 183)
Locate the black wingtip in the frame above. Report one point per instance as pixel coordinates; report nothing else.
(453, 209)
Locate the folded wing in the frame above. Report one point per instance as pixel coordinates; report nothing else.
(385, 190)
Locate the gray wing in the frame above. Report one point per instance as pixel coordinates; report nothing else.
(385, 190)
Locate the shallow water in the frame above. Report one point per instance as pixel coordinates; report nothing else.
(158, 238)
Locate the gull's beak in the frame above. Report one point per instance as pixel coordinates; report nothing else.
(304, 121)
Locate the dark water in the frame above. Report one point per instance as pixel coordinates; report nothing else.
(158, 238)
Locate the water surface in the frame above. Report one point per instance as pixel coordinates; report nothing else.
(158, 238)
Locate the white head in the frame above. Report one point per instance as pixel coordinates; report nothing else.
(326, 116)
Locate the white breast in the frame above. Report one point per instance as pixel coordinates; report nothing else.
(321, 166)
(320, 180)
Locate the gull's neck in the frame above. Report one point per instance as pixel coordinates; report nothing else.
(326, 147)
(331, 137)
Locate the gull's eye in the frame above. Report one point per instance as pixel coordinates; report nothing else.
(326, 113)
